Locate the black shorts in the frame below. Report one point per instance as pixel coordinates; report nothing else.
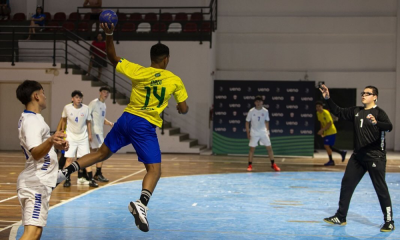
(99, 62)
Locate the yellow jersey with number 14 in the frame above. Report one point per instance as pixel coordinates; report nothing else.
(151, 90)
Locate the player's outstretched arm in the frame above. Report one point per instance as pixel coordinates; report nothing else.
(111, 55)
(343, 113)
(182, 107)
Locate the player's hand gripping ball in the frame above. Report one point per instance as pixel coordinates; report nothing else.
(109, 17)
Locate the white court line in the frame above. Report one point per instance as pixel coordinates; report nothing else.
(8, 199)
(14, 227)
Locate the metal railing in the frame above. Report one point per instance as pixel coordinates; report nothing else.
(210, 11)
(75, 51)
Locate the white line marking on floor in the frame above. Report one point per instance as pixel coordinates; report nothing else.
(283, 159)
(194, 204)
(14, 227)
(8, 198)
(173, 158)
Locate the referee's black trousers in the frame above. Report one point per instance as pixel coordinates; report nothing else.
(355, 170)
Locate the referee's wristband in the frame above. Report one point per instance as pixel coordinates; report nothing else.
(109, 34)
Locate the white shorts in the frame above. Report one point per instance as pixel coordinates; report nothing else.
(97, 140)
(77, 149)
(34, 205)
(261, 137)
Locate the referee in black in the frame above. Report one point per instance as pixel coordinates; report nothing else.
(370, 125)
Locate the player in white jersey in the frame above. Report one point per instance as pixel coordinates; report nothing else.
(259, 118)
(77, 119)
(38, 179)
(97, 109)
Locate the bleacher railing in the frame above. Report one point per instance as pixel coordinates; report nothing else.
(207, 12)
(74, 49)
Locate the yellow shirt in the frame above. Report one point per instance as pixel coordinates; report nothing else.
(151, 90)
(325, 118)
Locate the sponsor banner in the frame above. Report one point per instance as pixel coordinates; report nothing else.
(291, 107)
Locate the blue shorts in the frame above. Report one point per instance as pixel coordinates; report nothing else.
(330, 140)
(131, 129)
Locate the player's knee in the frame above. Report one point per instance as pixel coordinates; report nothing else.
(159, 173)
(38, 233)
(252, 149)
(32, 233)
(154, 169)
(104, 152)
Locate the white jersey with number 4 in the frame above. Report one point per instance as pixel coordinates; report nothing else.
(258, 119)
(76, 121)
(97, 110)
(33, 131)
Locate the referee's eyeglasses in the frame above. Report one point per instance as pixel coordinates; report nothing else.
(366, 94)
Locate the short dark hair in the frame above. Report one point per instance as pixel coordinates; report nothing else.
(77, 92)
(25, 90)
(374, 90)
(105, 88)
(158, 52)
(258, 97)
(319, 103)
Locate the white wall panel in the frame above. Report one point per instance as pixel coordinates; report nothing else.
(304, 25)
(313, 52)
(307, 7)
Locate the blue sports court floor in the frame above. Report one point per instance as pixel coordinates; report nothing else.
(285, 205)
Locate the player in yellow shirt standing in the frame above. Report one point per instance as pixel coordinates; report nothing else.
(328, 132)
(152, 87)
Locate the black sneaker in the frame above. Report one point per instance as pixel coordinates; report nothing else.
(101, 178)
(343, 155)
(67, 182)
(335, 220)
(388, 226)
(93, 183)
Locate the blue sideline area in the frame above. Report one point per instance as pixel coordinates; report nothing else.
(284, 205)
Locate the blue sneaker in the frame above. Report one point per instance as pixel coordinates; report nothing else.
(330, 163)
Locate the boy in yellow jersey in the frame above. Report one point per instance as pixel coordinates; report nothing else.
(328, 132)
(151, 89)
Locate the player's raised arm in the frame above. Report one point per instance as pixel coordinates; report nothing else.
(343, 113)
(110, 50)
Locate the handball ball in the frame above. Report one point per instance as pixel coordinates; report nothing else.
(108, 16)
